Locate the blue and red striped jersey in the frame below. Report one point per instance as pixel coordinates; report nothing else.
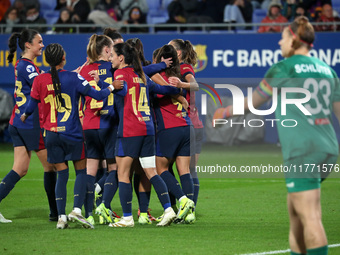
(57, 118)
(169, 112)
(190, 97)
(99, 114)
(25, 71)
(133, 103)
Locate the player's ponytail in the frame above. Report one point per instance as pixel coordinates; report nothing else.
(54, 56)
(96, 45)
(191, 55)
(26, 35)
(168, 51)
(188, 54)
(138, 45)
(302, 32)
(131, 58)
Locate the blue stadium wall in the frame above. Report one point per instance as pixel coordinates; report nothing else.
(240, 59)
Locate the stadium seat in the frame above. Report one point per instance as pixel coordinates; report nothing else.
(258, 16)
(154, 4)
(51, 16)
(47, 5)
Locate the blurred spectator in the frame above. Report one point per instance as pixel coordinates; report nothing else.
(11, 18)
(181, 10)
(33, 18)
(273, 16)
(137, 17)
(64, 19)
(247, 12)
(22, 6)
(106, 12)
(233, 13)
(314, 7)
(61, 4)
(289, 8)
(127, 5)
(209, 11)
(327, 16)
(79, 9)
(4, 5)
(300, 11)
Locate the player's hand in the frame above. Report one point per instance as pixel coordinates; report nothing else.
(94, 75)
(167, 61)
(23, 117)
(175, 81)
(78, 70)
(117, 84)
(185, 105)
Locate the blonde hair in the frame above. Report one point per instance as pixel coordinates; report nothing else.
(96, 45)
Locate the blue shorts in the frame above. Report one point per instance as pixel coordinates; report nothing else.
(32, 139)
(61, 148)
(173, 142)
(136, 146)
(100, 143)
(199, 133)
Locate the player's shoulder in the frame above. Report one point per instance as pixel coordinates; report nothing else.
(124, 72)
(24, 65)
(89, 67)
(186, 68)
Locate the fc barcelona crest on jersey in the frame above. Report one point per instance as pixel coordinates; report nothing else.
(202, 59)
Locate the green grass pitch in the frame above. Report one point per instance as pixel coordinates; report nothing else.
(236, 213)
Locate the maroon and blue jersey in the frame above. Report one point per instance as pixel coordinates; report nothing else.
(25, 71)
(60, 119)
(133, 103)
(168, 111)
(99, 114)
(190, 97)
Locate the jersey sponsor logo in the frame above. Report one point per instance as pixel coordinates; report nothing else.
(201, 56)
(30, 68)
(32, 75)
(324, 121)
(290, 185)
(85, 83)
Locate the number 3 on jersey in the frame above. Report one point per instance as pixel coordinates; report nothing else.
(318, 104)
(143, 105)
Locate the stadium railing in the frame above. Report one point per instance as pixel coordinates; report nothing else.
(179, 28)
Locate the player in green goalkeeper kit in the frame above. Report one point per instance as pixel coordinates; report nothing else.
(310, 147)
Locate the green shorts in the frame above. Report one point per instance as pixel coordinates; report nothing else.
(308, 171)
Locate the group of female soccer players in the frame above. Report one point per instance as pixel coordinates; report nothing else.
(119, 110)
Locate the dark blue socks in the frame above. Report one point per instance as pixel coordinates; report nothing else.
(8, 183)
(161, 190)
(172, 184)
(125, 195)
(61, 191)
(80, 187)
(50, 179)
(110, 188)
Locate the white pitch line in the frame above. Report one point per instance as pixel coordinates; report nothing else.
(284, 251)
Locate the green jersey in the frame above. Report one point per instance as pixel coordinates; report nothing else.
(305, 134)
